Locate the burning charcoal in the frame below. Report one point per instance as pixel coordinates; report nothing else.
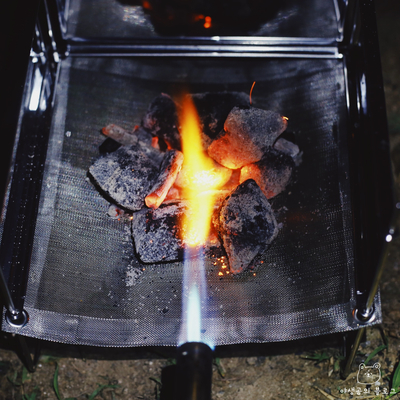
(233, 180)
(173, 194)
(219, 197)
(184, 181)
(120, 135)
(213, 109)
(127, 175)
(156, 233)
(170, 167)
(247, 225)
(162, 121)
(272, 173)
(246, 135)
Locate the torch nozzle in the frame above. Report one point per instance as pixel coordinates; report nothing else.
(193, 372)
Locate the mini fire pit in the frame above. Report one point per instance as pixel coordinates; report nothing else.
(313, 216)
(69, 270)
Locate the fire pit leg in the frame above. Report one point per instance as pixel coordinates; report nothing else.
(17, 318)
(345, 372)
(193, 372)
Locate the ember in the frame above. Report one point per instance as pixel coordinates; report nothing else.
(170, 168)
(246, 135)
(272, 172)
(233, 160)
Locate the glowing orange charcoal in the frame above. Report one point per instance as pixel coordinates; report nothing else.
(207, 22)
(168, 171)
(147, 5)
(154, 142)
(201, 176)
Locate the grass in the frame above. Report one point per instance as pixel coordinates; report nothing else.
(318, 356)
(19, 383)
(375, 352)
(31, 396)
(15, 381)
(220, 368)
(395, 384)
(94, 394)
(157, 389)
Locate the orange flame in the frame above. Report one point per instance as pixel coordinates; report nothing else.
(201, 175)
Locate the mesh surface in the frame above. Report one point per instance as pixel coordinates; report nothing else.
(85, 284)
(118, 18)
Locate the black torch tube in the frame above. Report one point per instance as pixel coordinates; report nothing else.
(193, 372)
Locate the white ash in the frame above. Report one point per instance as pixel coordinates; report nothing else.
(132, 275)
(114, 211)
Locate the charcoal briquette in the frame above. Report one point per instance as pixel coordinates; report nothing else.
(161, 120)
(247, 225)
(108, 146)
(272, 173)
(127, 174)
(169, 170)
(156, 233)
(247, 133)
(286, 146)
(214, 107)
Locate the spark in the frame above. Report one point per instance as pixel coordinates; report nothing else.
(251, 91)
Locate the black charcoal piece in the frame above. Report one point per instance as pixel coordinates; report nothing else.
(247, 225)
(120, 134)
(109, 146)
(272, 173)
(286, 146)
(290, 148)
(127, 174)
(156, 233)
(247, 133)
(143, 135)
(161, 120)
(214, 107)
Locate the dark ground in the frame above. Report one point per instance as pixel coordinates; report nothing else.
(261, 374)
